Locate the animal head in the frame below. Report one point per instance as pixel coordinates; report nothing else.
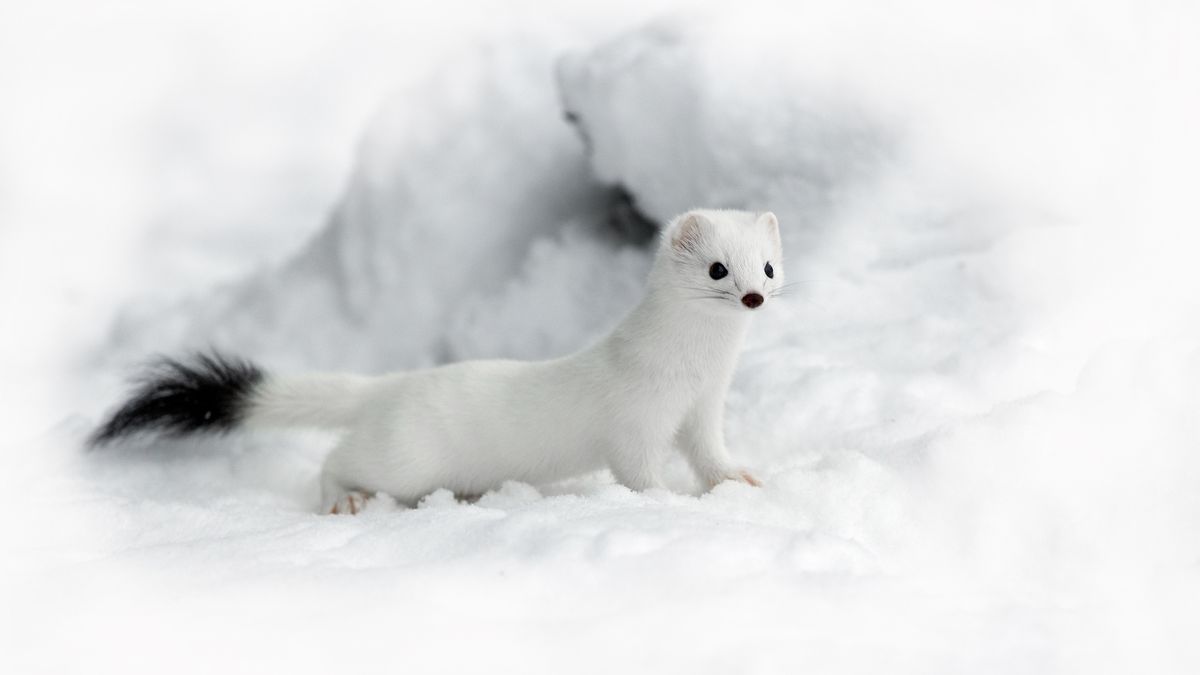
(724, 260)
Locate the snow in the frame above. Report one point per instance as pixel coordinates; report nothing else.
(975, 413)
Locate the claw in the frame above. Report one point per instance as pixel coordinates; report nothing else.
(745, 475)
(351, 503)
(739, 475)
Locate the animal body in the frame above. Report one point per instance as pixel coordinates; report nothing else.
(658, 381)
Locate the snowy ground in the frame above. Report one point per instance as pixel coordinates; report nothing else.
(976, 418)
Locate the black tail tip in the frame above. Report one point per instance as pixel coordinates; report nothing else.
(203, 392)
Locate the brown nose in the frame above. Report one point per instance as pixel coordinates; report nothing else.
(752, 300)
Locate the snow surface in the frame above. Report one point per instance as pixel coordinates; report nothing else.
(976, 415)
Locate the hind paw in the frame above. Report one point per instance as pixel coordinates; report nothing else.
(350, 503)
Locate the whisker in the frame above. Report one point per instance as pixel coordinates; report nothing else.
(702, 289)
(790, 287)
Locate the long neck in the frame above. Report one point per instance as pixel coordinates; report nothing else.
(671, 330)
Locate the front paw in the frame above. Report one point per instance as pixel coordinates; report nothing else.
(739, 475)
(747, 477)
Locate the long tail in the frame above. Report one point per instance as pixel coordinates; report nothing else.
(215, 393)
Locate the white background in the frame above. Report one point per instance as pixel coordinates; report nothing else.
(976, 418)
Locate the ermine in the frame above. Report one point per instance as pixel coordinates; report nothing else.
(657, 381)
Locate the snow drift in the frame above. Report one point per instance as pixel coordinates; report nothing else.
(460, 182)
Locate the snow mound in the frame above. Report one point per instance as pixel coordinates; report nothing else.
(457, 179)
(681, 124)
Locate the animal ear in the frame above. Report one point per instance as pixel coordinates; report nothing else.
(769, 220)
(688, 231)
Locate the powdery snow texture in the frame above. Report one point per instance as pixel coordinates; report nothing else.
(977, 439)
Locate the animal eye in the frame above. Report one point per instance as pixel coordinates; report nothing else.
(770, 271)
(717, 271)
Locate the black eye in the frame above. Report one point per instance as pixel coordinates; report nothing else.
(717, 271)
(770, 271)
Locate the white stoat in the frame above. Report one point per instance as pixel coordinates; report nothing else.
(657, 381)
